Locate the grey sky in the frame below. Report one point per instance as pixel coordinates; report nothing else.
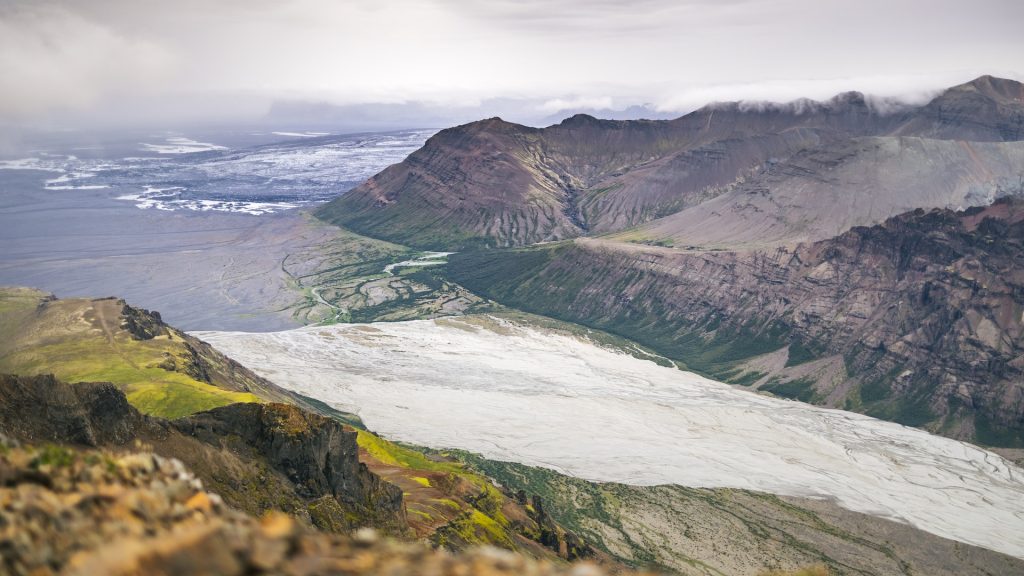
(141, 58)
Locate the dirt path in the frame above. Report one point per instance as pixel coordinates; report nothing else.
(107, 311)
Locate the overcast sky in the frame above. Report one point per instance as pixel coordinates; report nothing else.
(230, 58)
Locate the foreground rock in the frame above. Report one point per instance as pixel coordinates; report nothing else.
(264, 458)
(93, 512)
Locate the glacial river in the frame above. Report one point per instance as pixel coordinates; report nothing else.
(523, 394)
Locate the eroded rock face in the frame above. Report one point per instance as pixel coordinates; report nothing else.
(41, 409)
(142, 324)
(917, 320)
(318, 455)
(259, 456)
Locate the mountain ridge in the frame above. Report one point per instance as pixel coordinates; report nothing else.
(494, 183)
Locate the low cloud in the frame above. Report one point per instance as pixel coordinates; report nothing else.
(53, 59)
(153, 60)
(577, 103)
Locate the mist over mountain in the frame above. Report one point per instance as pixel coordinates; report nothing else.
(383, 116)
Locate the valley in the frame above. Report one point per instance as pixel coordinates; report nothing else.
(513, 392)
(755, 337)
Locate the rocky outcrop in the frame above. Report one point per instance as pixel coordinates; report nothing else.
(917, 320)
(317, 455)
(41, 409)
(142, 324)
(497, 184)
(259, 457)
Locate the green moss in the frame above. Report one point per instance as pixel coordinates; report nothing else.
(53, 456)
(395, 455)
(747, 378)
(421, 481)
(423, 516)
(992, 435)
(473, 528)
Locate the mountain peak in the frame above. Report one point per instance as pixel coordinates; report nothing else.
(579, 120)
(851, 98)
(1002, 90)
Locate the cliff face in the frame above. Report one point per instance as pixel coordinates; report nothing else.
(316, 454)
(492, 183)
(917, 320)
(258, 457)
(41, 409)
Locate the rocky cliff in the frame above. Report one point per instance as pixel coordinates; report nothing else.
(259, 457)
(917, 320)
(317, 455)
(493, 183)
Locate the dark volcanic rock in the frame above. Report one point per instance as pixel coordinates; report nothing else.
(41, 409)
(318, 455)
(142, 324)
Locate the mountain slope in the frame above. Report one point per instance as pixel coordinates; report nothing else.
(686, 529)
(822, 192)
(492, 183)
(163, 371)
(917, 320)
(287, 454)
(263, 458)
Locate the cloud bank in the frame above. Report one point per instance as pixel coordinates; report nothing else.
(139, 59)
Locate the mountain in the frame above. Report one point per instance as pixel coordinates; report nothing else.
(819, 193)
(916, 320)
(987, 109)
(377, 117)
(494, 183)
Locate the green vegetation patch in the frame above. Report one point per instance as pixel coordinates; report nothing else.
(558, 280)
(800, 389)
(65, 339)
